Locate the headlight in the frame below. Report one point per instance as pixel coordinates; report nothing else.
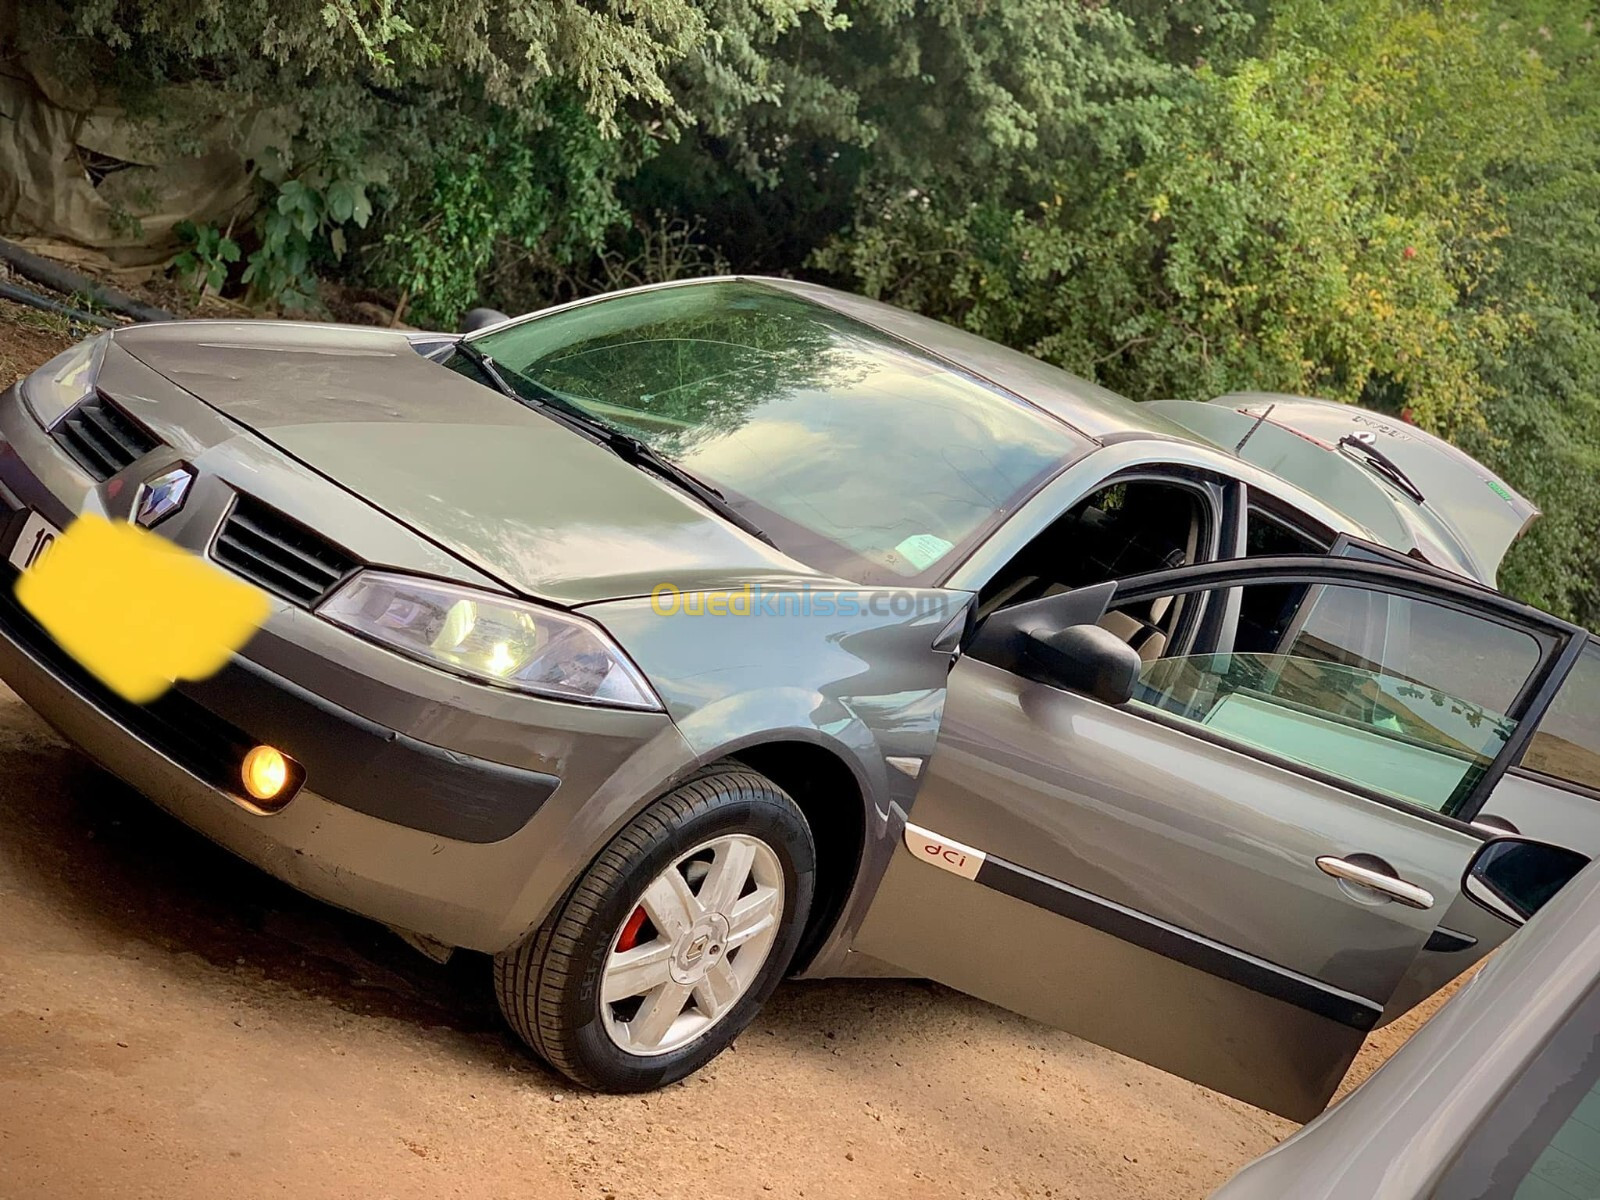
(54, 388)
(488, 637)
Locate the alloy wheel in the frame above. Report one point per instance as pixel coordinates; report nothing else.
(693, 945)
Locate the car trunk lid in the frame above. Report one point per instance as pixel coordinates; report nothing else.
(1467, 517)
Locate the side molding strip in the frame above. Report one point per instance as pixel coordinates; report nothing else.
(1139, 929)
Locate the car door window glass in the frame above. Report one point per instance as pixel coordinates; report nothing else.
(1265, 534)
(1265, 610)
(1393, 694)
(1567, 743)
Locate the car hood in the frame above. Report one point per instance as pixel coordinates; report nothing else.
(545, 510)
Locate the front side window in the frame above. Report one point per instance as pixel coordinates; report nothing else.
(1124, 528)
(1395, 695)
(853, 451)
(1567, 743)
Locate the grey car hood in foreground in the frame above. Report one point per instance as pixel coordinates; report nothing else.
(516, 494)
(1394, 1136)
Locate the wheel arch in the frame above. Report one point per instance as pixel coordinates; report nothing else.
(827, 790)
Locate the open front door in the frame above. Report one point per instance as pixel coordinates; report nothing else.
(1227, 876)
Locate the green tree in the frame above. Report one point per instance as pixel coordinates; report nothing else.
(1543, 416)
(1314, 219)
(498, 126)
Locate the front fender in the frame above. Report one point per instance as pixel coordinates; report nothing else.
(842, 670)
(851, 669)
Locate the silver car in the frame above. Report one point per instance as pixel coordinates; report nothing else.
(1497, 1097)
(667, 643)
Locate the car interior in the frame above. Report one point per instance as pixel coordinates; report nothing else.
(1266, 610)
(1125, 528)
(1323, 675)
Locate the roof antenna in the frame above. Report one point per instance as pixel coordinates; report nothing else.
(1249, 433)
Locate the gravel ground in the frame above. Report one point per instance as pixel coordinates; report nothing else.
(173, 1023)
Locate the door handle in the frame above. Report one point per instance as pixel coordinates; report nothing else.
(1408, 894)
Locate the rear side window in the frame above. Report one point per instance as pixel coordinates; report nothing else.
(1266, 608)
(1265, 534)
(1567, 743)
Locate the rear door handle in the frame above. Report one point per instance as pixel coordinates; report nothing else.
(1408, 894)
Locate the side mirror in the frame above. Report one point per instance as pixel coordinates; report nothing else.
(1085, 658)
(1513, 877)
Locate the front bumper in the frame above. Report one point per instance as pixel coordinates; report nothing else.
(391, 873)
(430, 803)
(357, 763)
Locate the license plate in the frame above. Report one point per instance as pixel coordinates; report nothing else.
(33, 543)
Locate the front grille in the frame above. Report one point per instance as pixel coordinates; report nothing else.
(280, 554)
(101, 438)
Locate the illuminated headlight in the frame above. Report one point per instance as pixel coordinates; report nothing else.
(54, 388)
(492, 638)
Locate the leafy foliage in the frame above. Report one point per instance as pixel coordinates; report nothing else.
(1284, 230)
(405, 93)
(304, 220)
(1383, 201)
(501, 207)
(206, 256)
(1543, 414)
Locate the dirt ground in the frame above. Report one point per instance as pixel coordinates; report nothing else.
(173, 1023)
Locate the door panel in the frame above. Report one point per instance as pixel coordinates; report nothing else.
(1265, 1051)
(1152, 883)
(1536, 809)
(1467, 932)
(1540, 809)
(1181, 829)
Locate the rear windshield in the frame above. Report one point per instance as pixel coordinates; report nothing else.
(855, 452)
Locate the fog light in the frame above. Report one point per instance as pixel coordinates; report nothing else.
(265, 773)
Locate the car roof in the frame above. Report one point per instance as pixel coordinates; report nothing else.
(1468, 532)
(1104, 417)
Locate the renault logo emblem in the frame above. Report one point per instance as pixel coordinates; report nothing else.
(162, 495)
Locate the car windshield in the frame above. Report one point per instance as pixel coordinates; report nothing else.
(855, 452)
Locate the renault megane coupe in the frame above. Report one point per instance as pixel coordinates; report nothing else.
(667, 643)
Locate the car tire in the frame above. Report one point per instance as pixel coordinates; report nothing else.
(660, 910)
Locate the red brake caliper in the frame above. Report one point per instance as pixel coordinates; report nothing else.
(630, 931)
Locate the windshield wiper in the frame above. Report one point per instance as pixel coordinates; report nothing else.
(624, 445)
(486, 367)
(1382, 463)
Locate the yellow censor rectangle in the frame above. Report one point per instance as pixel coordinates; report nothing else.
(137, 611)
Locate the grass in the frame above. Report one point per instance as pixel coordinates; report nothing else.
(28, 336)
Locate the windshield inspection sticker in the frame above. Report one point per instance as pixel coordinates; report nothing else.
(922, 550)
